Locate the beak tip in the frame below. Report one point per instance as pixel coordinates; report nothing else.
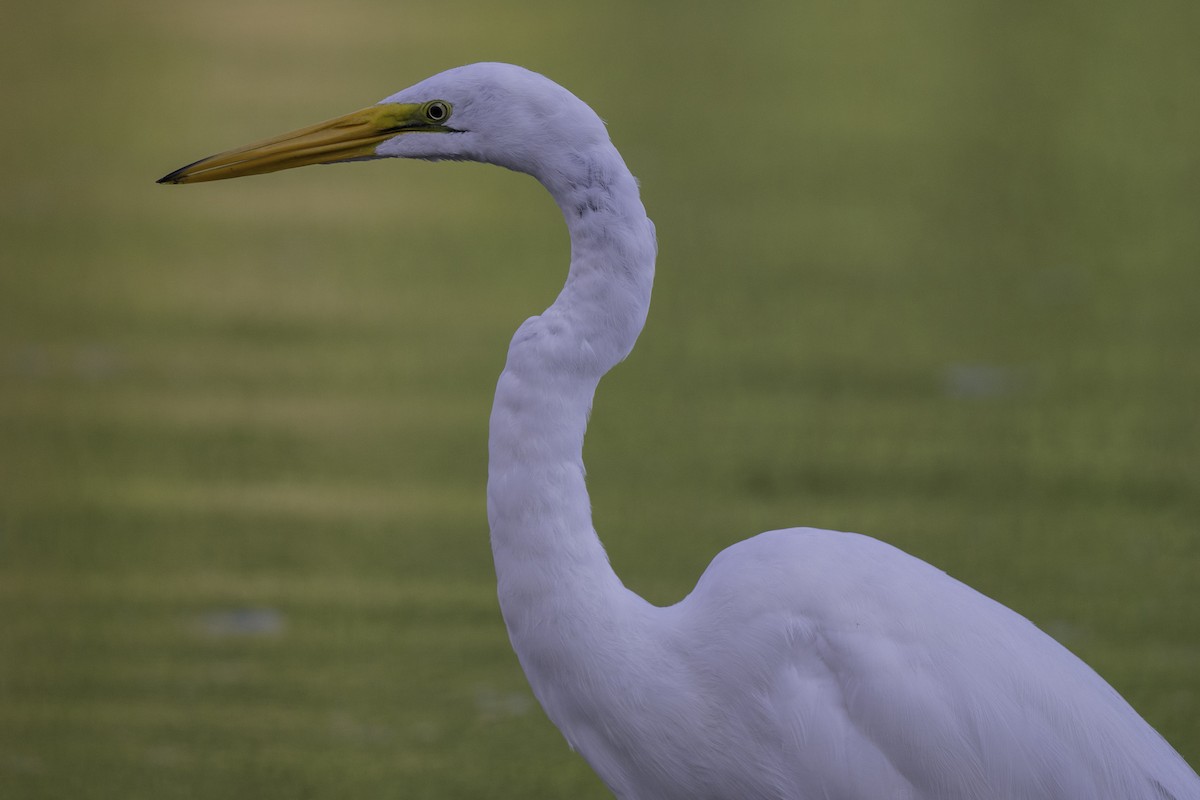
(174, 177)
(181, 175)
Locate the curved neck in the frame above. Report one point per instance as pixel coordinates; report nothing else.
(550, 564)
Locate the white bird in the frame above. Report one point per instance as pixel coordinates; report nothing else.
(805, 663)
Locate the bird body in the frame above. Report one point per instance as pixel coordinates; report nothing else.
(820, 664)
(805, 664)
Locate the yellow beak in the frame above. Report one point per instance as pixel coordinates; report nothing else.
(348, 137)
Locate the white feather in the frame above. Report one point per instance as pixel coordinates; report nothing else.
(806, 663)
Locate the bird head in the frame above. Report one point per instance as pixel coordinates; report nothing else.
(493, 113)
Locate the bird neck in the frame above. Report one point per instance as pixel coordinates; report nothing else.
(550, 565)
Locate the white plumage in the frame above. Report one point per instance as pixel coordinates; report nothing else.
(805, 663)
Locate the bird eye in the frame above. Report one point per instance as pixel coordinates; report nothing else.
(437, 111)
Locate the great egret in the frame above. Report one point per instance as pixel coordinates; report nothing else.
(805, 663)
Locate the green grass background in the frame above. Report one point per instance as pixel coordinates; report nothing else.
(928, 271)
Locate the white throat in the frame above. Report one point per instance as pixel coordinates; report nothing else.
(559, 596)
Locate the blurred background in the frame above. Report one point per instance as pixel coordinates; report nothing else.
(929, 271)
